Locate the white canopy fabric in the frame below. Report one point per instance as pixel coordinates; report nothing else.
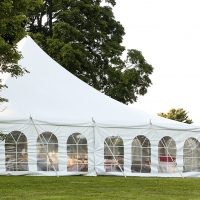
(50, 92)
(62, 104)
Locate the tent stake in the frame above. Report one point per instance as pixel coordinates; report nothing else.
(50, 160)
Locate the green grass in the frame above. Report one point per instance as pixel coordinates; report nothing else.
(101, 187)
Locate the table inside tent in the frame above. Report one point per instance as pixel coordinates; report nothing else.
(167, 164)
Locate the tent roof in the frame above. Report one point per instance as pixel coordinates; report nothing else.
(51, 93)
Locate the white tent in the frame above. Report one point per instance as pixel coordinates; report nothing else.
(57, 124)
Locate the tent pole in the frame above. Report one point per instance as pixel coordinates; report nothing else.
(94, 146)
(110, 151)
(174, 162)
(50, 160)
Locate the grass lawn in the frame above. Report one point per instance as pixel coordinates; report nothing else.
(101, 187)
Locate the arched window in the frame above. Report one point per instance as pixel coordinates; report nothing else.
(77, 153)
(141, 155)
(113, 154)
(167, 155)
(16, 157)
(191, 155)
(47, 143)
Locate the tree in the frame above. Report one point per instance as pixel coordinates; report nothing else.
(179, 115)
(12, 23)
(84, 37)
(2, 136)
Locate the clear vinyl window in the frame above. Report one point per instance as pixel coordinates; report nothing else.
(191, 155)
(47, 149)
(16, 157)
(167, 155)
(113, 154)
(77, 153)
(141, 155)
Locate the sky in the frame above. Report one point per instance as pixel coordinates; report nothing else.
(167, 32)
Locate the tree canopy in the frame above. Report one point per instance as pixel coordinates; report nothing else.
(12, 22)
(84, 37)
(179, 114)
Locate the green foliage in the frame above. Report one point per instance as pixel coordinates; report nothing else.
(12, 22)
(177, 115)
(129, 79)
(2, 136)
(85, 39)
